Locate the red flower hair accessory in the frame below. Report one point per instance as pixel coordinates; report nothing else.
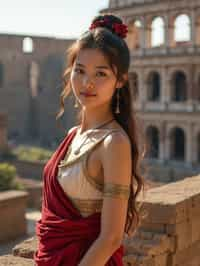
(119, 28)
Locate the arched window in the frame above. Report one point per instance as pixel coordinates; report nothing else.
(1, 75)
(179, 87)
(28, 45)
(177, 145)
(157, 32)
(153, 86)
(182, 28)
(133, 36)
(152, 142)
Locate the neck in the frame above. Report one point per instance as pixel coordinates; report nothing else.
(94, 118)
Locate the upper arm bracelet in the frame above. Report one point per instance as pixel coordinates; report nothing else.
(116, 190)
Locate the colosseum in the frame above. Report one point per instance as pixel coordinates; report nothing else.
(164, 39)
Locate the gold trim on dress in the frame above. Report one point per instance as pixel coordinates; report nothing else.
(92, 180)
(87, 206)
(67, 162)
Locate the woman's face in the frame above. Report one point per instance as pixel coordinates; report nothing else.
(92, 74)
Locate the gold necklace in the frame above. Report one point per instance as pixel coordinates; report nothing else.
(77, 150)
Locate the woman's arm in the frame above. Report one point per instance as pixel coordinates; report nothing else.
(100, 252)
(116, 162)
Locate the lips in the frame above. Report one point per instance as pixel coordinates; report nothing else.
(87, 94)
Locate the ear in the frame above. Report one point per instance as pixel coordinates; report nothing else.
(120, 83)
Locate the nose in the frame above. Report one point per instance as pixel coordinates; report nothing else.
(87, 82)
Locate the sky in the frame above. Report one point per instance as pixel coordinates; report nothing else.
(64, 18)
(61, 18)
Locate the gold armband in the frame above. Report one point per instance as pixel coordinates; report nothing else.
(116, 190)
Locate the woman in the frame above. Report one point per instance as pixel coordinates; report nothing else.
(92, 180)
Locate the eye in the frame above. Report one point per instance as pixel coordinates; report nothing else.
(101, 74)
(78, 70)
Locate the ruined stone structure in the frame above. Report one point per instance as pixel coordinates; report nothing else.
(169, 235)
(31, 70)
(164, 40)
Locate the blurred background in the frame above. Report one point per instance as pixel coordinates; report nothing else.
(34, 37)
(164, 76)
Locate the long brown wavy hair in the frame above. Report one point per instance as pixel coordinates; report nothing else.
(117, 53)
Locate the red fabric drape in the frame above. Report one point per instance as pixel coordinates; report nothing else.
(64, 234)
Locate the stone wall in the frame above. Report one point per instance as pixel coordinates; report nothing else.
(12, 209)
(169, 235)
(168, 171)
(170, 119)
(30, 85)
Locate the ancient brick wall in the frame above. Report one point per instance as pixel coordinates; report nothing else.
(31, 105)
(12, 207)
(169, 235)
(161, 56)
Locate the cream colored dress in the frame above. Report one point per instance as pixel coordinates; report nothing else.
(85, 192)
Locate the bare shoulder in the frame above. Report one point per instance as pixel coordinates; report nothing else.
(117, 138)
(116, 143)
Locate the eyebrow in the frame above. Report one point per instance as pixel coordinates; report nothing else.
(101, 67)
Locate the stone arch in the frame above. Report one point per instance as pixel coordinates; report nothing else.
(179, 86)
(1, 75)
(153, 86)
(28, 46)
(157, 32)
(134, 34)
(134, 84)
(153, 141)
(177, 144)
(182, 29)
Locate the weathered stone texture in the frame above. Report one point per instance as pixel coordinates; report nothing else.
(169, 111)
(24, 90)
(12, 209)
(168, 236)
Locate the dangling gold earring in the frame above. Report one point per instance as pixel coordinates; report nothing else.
(76, 103)
(117, 111)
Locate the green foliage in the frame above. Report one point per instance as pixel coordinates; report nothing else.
(8, 177)
(32, 153)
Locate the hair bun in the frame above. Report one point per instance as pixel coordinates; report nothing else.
(112, 23)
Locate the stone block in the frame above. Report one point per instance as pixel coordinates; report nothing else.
(8, 260)
(12, 208)
(183, 233)
(172, 203)
(186, 255)
(26, 249)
